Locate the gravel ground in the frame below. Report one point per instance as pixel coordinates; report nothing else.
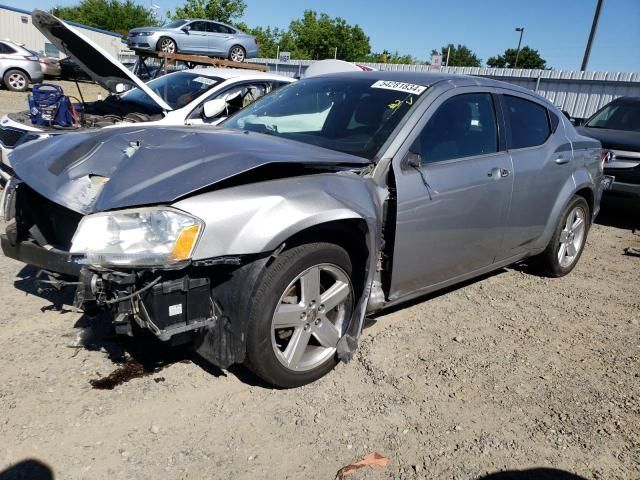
(508, 372)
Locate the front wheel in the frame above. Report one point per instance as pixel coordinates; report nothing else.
(567, 243)
(16, 80)
(168, 45)
(300, 310)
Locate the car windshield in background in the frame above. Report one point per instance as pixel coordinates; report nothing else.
(175, 24)
(351, 115)
(177, 89)
(618, 116)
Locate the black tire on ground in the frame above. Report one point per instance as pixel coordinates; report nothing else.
(16, 80)
(548, 263)
(237, 51)
(261, 358)
(166, 41)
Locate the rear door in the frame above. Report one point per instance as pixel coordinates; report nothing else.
(542, 163)
(197, 39)
(218, 38)
(452, 203)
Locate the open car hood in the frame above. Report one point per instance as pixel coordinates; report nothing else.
(97, 63)
(133, 166)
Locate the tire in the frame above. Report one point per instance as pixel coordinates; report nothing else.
(16, 80)
(237, 54)
(166, 44)
(281, 313)
(568, 240)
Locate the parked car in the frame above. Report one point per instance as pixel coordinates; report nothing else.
(50, 66)
(70, 70)
(617, 127)
(195, 36)
(187, 97)
(267, 240)
(18, 66)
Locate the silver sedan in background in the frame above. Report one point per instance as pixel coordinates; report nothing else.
(18, 66)
(195, 36)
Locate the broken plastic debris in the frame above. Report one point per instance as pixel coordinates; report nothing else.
(374, 459)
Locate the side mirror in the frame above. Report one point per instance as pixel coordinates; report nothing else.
(215, 107)
(186, 29)
(414, 159)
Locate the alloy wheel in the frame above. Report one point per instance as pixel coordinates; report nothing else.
(311, 316)
(572, 237)
(237, 54)
(167, 45)
(17, 81)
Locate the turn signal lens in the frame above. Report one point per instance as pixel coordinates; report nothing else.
(185, 243)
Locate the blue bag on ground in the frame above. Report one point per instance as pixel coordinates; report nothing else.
(49, 107)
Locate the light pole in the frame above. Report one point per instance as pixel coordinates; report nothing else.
(592, 34)
(521, 30)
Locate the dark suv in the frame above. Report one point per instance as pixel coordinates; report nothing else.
(617, 126)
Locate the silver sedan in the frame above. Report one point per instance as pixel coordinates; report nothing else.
(195, 36)
(267, 241)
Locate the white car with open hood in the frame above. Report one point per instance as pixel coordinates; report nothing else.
(187, 97)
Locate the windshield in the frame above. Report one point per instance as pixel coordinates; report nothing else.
(177, 89)
(175, 24)
(351, 115)
(617, 116)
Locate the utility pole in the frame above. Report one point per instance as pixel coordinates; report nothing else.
(594, 26)
(448, 52)
(521, 30)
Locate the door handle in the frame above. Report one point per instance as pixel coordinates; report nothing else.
(498, 173)
(561, 160)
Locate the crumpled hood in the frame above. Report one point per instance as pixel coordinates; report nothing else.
(613, 139)
(133, 166)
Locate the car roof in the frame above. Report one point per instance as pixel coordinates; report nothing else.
(431, 78)
(229, 73)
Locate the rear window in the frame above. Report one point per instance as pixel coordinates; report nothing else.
(528, 122)
(4, 48)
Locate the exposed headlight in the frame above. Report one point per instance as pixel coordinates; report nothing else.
(144, 34)
(140, 237)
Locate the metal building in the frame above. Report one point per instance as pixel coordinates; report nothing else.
(578, 93)
(15, 25)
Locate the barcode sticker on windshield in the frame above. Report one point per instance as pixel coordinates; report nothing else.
(205, 80)
(400, 86)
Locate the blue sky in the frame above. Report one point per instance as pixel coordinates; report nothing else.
(557, 28)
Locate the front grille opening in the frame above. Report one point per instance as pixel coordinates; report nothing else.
(55, 224)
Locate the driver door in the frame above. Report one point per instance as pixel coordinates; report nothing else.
(454, 180)
(196, 39)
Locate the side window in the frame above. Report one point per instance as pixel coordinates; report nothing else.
(528, 122)
(4, 48)
(199, 26)
(463, 126)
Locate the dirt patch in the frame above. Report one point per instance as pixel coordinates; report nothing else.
(510, 372)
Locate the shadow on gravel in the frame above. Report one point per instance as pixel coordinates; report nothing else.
(533, 474)
(60, 300)
(619, 212)
(29, 469)
(143, 355)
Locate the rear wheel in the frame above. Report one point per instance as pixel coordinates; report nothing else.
(16, 80)
(166, 44)
(237, 54)
(566, 245)
(301, 309)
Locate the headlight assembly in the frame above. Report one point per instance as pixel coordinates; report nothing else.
(138, 237)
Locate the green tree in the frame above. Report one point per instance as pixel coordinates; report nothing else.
(459, 56)
(527, 58)
(391, 57)
(114, 15)
(317, 36)
(221, 10)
